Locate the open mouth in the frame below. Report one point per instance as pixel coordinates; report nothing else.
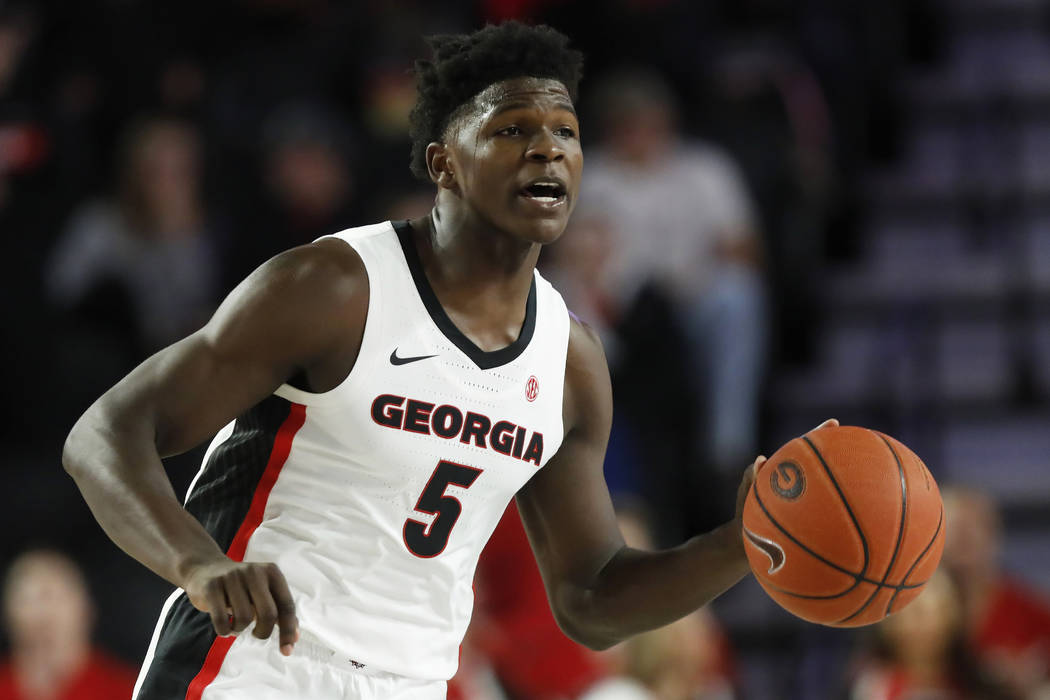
(548, 192)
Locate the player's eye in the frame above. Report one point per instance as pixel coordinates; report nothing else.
(510, 131)
(566, 132)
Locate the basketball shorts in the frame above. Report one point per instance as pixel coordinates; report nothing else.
(247, 668)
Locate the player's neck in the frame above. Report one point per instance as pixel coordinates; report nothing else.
(482, 279)
(465, 257)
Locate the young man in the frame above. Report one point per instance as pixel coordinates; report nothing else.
(393, 386)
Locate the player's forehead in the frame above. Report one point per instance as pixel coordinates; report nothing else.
(524, 90)
(513, 93)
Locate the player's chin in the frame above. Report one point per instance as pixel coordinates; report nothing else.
(543, 227)
(542, 232)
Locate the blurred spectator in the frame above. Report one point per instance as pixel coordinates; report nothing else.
(28, 199)
(308, 185)
(182, 86)
(767, 108)
(24, 142)
(145, 261)
(1007, 623)
(388, 96)
(920, 653)
(684, 231)
(687, 660)
(48, 616)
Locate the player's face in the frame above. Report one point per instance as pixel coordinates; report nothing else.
(517, 158)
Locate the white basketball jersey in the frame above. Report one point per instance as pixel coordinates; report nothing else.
(384, 490)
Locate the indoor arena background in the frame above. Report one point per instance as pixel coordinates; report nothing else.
(875, 176)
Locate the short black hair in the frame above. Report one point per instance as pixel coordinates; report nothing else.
(465, 64)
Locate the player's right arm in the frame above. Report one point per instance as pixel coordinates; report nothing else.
(301, 312)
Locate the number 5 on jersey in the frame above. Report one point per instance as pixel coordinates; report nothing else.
(429, 541)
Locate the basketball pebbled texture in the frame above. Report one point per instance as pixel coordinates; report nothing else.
(843, 526)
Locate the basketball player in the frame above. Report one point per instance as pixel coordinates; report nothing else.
(385, 392)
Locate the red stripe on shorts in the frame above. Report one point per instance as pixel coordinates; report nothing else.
(212, 664)
(282, 445)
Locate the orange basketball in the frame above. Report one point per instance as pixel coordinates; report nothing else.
(843, 526)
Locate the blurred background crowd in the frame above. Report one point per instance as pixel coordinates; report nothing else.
(792, 210)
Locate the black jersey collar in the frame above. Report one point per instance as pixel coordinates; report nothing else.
(483, 359)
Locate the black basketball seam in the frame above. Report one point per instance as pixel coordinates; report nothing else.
(893, 599)
(806, 596)
(857, 579)
(845, 502)
(900, 533)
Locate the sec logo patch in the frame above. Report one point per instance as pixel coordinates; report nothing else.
(532, 388)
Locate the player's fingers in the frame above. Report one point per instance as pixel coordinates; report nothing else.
(751, 472)
(287, 622)
(240, 601)
(746, 483)
(262, 600)
(829, 423)
(215, 599)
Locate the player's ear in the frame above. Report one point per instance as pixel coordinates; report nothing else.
(439, 165)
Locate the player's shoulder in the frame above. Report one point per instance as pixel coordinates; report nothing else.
(310, 297)
(361, 233)
(318, 283)
(339, 259)
(329, 268)
(585, 345)
(331, 256)
(588, 394)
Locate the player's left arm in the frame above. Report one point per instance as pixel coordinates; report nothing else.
(600, 590)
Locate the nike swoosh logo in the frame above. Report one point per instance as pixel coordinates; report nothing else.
(768, 547)
(395, 360)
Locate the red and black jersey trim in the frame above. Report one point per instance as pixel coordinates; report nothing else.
(229, 499)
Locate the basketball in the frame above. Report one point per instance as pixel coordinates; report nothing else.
(843, 526)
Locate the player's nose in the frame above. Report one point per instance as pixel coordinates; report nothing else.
(544, 147)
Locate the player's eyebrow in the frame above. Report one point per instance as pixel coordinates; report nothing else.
(522, 104)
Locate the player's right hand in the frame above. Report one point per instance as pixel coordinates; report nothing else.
(235, 593)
